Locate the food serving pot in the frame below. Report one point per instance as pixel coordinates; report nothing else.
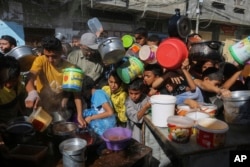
(206, 49)
(111, 50)
(236, 107)
(24, 54)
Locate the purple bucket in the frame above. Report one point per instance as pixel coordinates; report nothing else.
(117, 138)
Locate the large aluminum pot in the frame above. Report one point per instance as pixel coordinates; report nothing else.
(236, 107)
(206, 49)
(24, 54)
(111, 50)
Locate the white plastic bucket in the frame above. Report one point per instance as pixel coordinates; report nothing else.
(241, 51)
(163, 106)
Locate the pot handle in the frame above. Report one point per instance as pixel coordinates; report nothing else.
(214, 45)
(106, 42)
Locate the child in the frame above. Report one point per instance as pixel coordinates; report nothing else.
(137, 104)
(210, 87)
(12, 91)
(150, 74)
(116, 91)
(100, 114)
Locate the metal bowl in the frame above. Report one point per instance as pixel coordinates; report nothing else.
(236, 107)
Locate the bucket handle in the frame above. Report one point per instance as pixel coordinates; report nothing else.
(72, 158)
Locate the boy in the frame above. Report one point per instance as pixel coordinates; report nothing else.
(137, 104)
(12, 91)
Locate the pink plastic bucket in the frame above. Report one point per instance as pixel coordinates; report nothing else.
(171, 53)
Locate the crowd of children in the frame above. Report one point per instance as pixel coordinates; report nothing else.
(114, 102)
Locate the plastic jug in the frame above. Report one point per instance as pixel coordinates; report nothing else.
(40, 119)
(95, 26)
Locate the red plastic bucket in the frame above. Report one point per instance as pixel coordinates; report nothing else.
(171, 53)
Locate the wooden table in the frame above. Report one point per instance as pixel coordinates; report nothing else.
(191, 154)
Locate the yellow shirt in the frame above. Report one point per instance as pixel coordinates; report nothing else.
(48, 74)
(118, 99)
(49, 82)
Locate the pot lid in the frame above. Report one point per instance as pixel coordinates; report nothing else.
(183, 26)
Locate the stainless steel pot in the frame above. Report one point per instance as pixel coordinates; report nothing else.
(236, 107)
(111, 50)
(206, 49)
(24, 54)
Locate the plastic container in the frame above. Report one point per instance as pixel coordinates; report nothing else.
(127, 41)
(117, 138)
(133, 50)
(40, 119)
(171, 53)
(209, 108)
(180, 128)
(163, 106)
(197, 115)
(148, 54)
(183, 109)
(72, 79)
(131, 68)
(73, 151)
(95, 26)
(211, 132)
(241, 51)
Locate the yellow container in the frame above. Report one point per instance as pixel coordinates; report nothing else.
(72, 79)
(40, 119)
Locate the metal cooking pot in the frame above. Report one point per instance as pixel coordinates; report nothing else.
(111, 50)
(20, 132)
(236, 107)
(63, 130)
(206, 49)
(24, 54)
(179, 26)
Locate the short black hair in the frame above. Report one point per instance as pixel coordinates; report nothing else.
(136, 84)
(155, 68)
(213, 73)
(154, 38)
(10, 39)
(142, 31)
(51, 43)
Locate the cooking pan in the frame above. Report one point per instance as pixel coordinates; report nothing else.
(206, 49)
(179, 26)
(111, 50)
